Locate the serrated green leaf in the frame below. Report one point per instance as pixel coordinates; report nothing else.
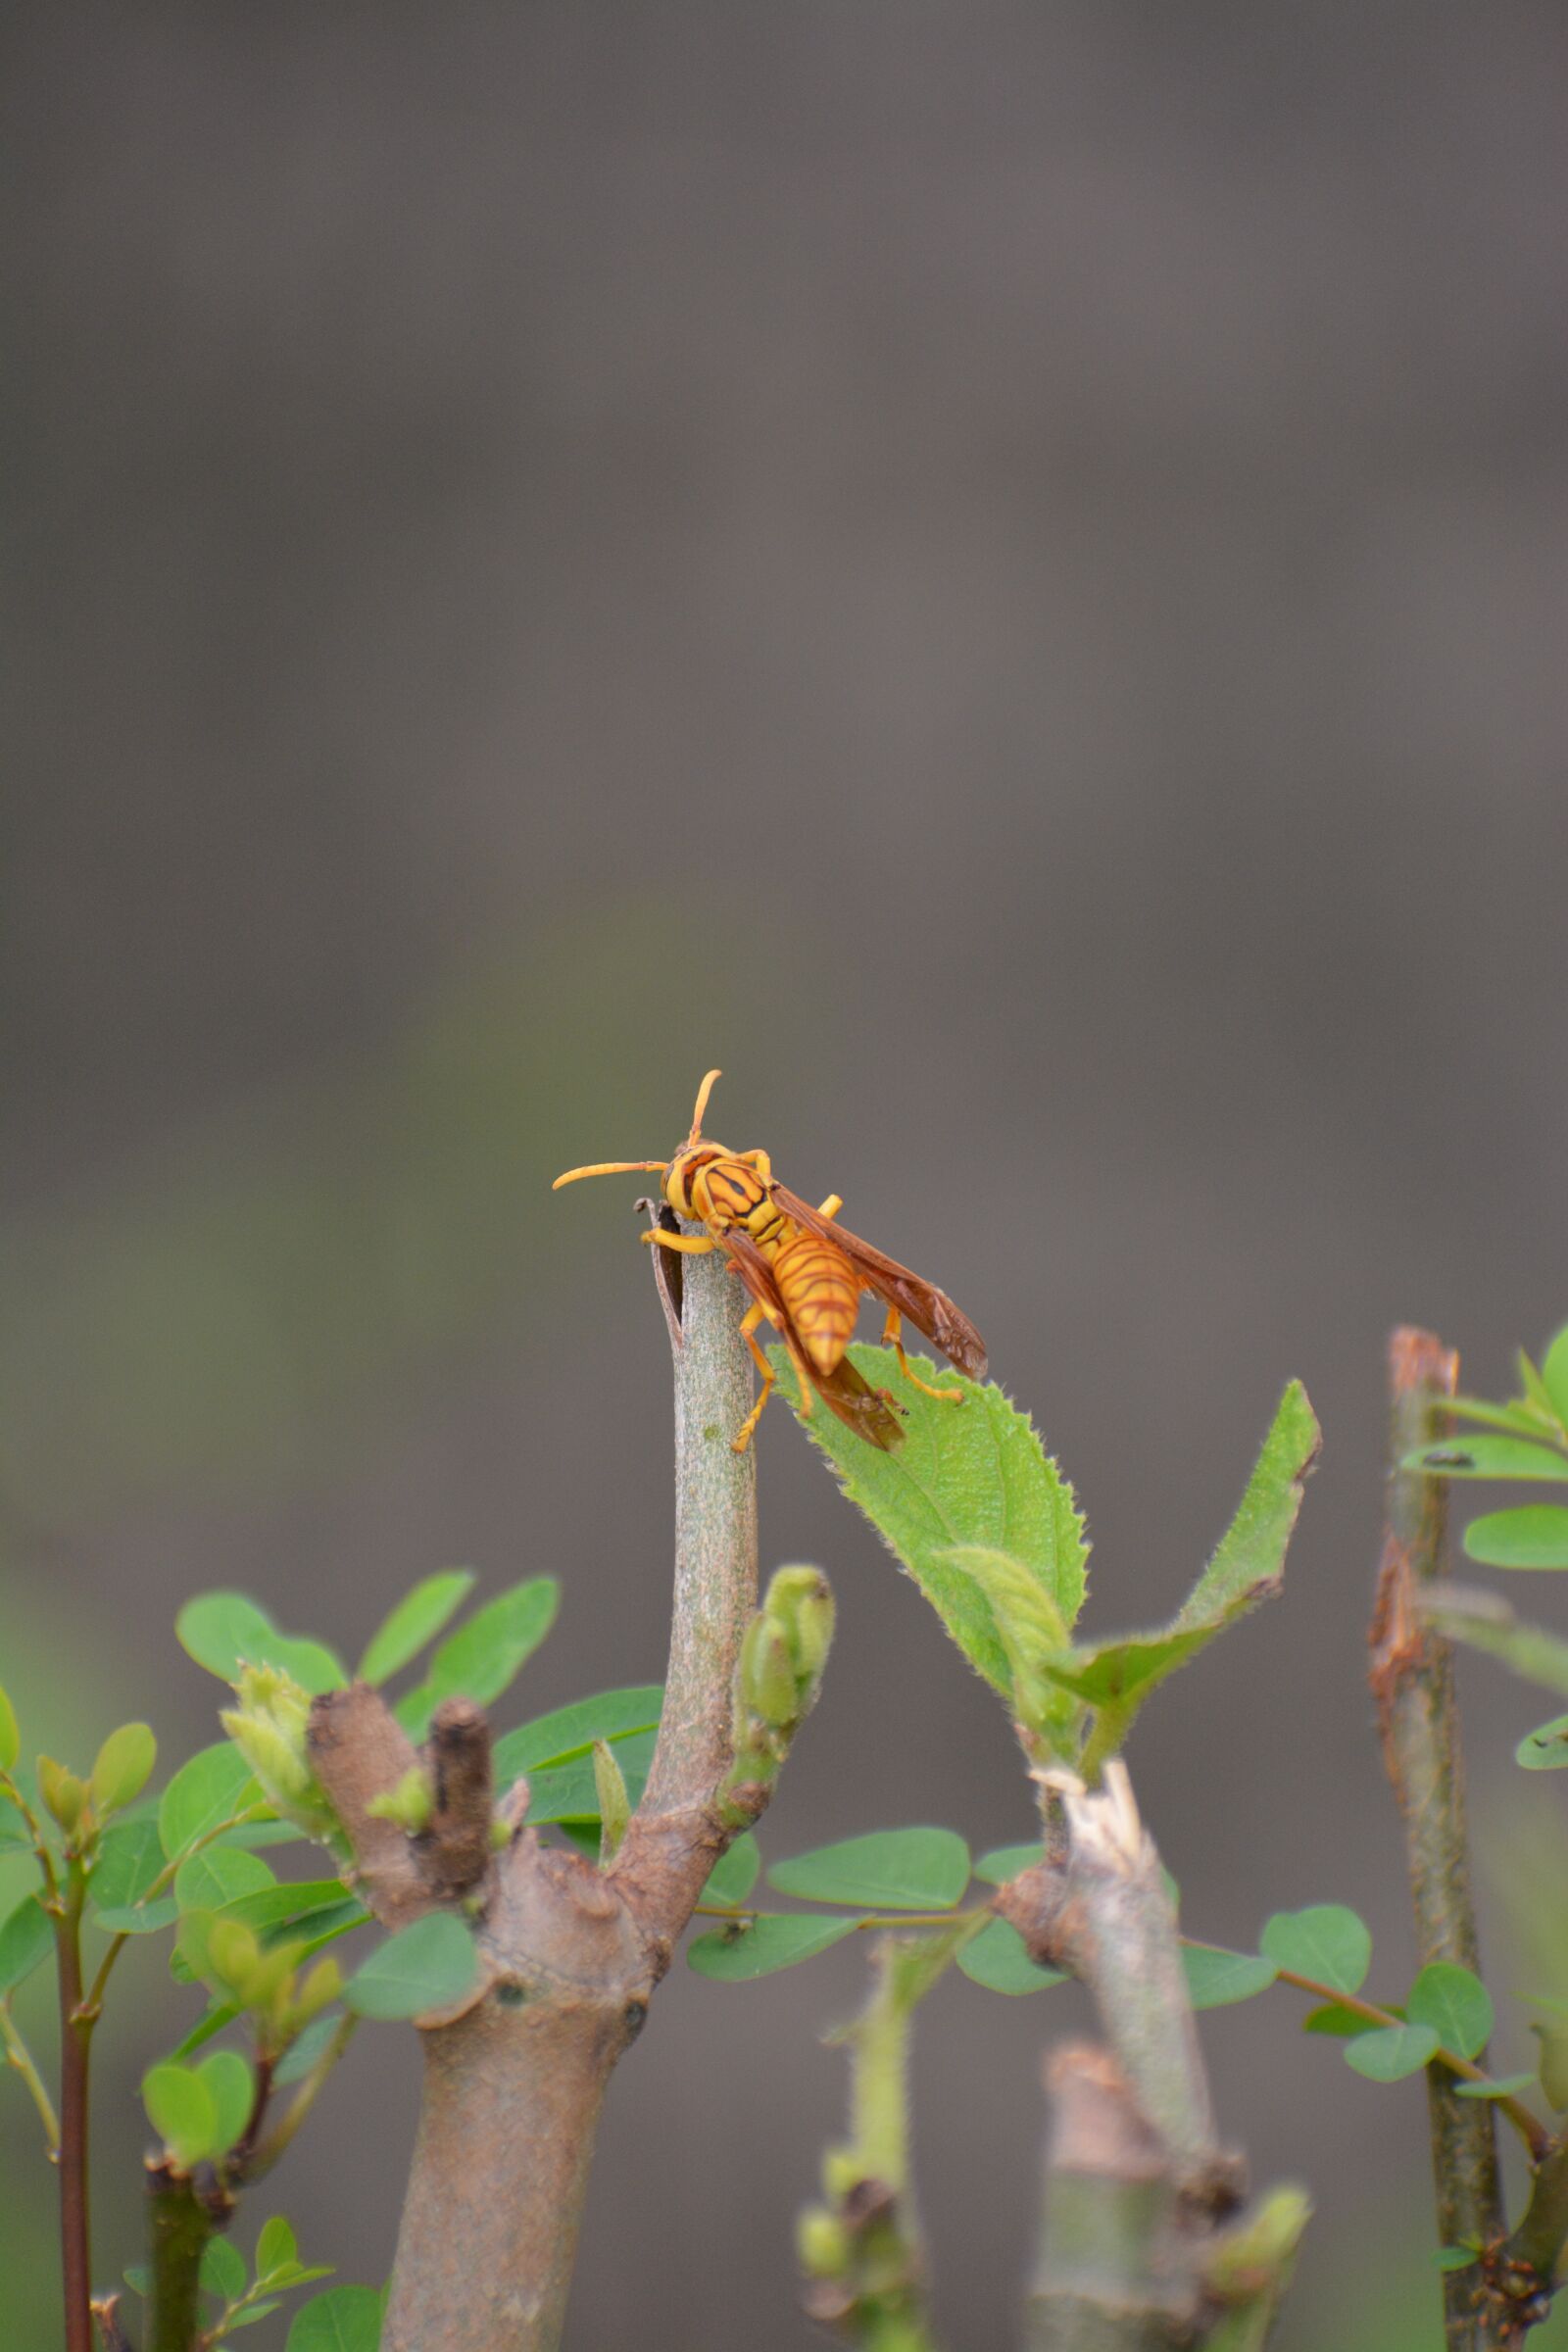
(1484, 1623)
(1215, 1978)
(9, 1736)
(416, 1620)
(1545, 1748)
(1454, 2002)
(999, 1959)
(760, 1946)
(731, 1880)
(27, 1938)
(122, 1767)
(571, 1732)
(426, 1966)
(1496, 2086)
(275, 2246)
(1486, 1457)
(972, 1476)
(129, 1858)
(223, 2270)
(210, 1790)
(888, 1869)
(1555, 1374)
(233, 2087)
(180, 2106)
(1118, 1676)
(1534, 1535)
(1326, 1941)
(226, 1631)
(345, 2319)
(219, 1874)
(1391, 2052)
(1003, 1862)
(480, 1660)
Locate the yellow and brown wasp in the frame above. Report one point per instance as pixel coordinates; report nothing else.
(805, 1274)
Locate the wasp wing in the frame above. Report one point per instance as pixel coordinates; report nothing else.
(844, 1391)
(929, 1309)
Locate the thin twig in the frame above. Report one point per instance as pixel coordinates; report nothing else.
(21, 2058)
(76, 2037)
(1418, 1716)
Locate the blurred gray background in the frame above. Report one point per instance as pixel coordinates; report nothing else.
(998, 572)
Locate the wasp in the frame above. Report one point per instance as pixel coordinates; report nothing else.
(805, 1275)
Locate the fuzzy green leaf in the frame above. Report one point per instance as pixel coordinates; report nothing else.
(345, 2319)
(731, 1880)
(416, 1620)
(571, 1732)
(27, 1938)
(480, 1660)
(975, 1475)
(181, 2111)
(226, 1631)
(1215, 1978)
(1486, 1457)
(1536, 1536)
(758, 1948)
(1326, 1941)
(999, 1959)
(1391, 2052)
(424, 1967)
(888, 1869)
(1454, 2002)
(215, 1786)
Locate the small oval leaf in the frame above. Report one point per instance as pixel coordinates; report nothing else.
(999, 1959)
(888, 1869)
(1217, 1978)
(1496, 2086)
(1536, 1536)
(731, 1880)
(417, 1619)
(1391, 2052)
(180, 2106)
(232, 2089)
(1488, 1457)
(424, 1967)
(1545, 1748)
(122, 1767)
(220, 1875)
(210, 1790)
(1325, 1942)
(1454, 2003)
(345, 2319)
(1003, 1862)
(762, 1945)
(27, 1938)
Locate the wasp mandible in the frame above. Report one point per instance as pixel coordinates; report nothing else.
(805, 1274)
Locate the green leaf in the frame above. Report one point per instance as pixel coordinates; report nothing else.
(999, 1959)
(223, 2270)
(226, 1631)
(1215, 1978)
(252, 2312)
(757, 1948)
(1523, 1418)
(1536, 1536)
(1544, 1749)
(1326, 1941)
(1391, 2052)
(1555, 1374)
(731, 1880)
(1454, 2003)
(1485, 1622)
(302, 1904)
(131, 1857)
(889, 1870)
(220, 1875)
(122, 1767)
(27, 1936)
(210, 1790)
(417, 1619)
(571, 1730)
(569, 1792)
(1496, 2086)
(275, 2246)
(978, 1477)
(217, 2015)
(483, 1657)
(426, 1966)
(345, 2319)
(9, 1736)
(180, 2108)
(1332, 2017)
(1117, 1676)
(232, 2086)
(1486, 1457)
(139, 2276)
(1003, 1862)
(304, 2053)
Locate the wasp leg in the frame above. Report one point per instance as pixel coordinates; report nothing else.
(831, 1205)
(752, 1316)
(890, 1338)
(695, 1245)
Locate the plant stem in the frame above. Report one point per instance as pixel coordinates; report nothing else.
(76, 2037)
(180, 2226)
(1418, 1715)
(21, 2058)
(267, 2154)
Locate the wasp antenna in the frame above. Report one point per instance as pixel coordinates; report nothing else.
(609, 1167)
(703, 1093)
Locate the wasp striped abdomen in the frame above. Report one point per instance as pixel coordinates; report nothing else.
(823, 1293)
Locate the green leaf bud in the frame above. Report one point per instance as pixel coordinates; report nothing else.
(63, 1795)
(823, 2243)
(1245, 2259)
(409, 1805)
(842, 2171)
(799, 1603)
(318, 1991)
(767, 1685)
(233, 1956)
(614, 1801)
(10, 1737)
(269, 1727)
